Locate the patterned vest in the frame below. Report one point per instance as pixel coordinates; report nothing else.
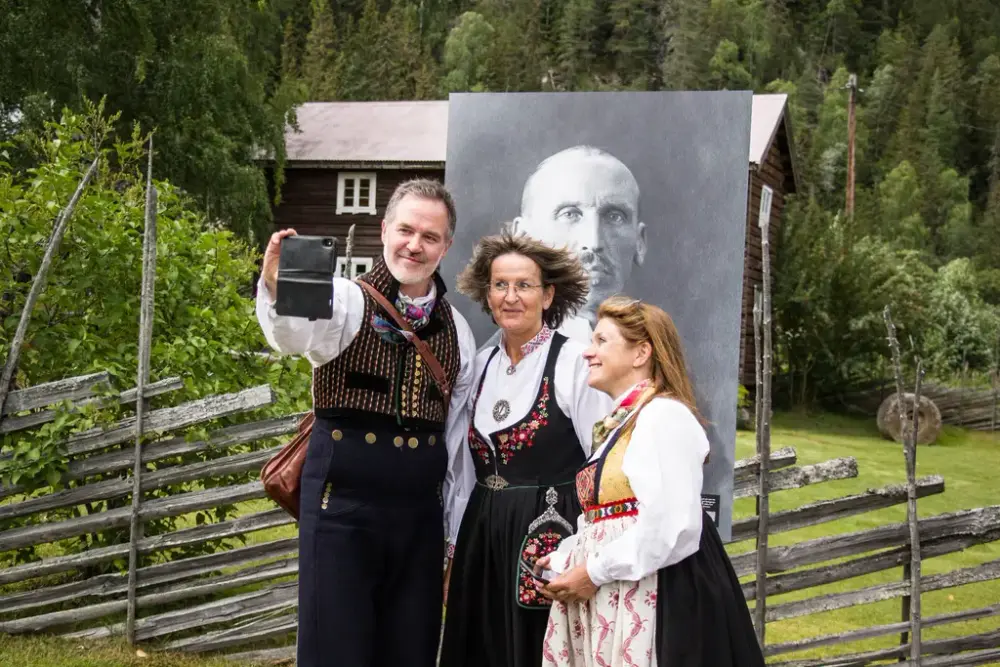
(375, 378)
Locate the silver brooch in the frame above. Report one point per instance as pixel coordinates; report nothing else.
(550, 513)
(511, 369)
(501, 410)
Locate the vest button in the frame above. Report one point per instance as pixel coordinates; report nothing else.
(412, 442)
(432, 440)
(370, 438)
(398, 441)
(337, 435)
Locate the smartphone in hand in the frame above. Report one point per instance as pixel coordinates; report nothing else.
(305, 277)
(542, 578)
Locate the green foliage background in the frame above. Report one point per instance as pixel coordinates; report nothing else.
(87, 318)
(218, 80)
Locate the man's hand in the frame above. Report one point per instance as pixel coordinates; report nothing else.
(272, 254)
(573, 586)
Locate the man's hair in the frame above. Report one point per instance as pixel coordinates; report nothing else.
(583, 151)
(425, 188)
(558, 266)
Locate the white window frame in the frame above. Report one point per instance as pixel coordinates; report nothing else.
(360, 264)
(355, 206)
(766, 199)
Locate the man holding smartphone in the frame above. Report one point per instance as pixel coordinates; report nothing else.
(386, 478)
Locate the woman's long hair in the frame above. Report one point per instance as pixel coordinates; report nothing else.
(644, 323)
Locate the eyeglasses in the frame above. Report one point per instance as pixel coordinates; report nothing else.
(520, 287)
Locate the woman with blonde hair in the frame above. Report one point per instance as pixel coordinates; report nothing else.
(645, 580)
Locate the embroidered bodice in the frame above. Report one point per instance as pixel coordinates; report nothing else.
(540, 449)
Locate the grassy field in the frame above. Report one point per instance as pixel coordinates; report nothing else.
(967, 460)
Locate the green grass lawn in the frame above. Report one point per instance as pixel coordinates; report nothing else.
(967, 461)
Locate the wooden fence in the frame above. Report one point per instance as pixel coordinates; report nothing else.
(243, 596)
(64, 591)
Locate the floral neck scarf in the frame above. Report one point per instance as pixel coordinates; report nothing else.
(633, 399)
(416, 312)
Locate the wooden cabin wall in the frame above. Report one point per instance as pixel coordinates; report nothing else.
(309, 205)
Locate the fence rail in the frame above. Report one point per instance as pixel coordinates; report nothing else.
(238, 598)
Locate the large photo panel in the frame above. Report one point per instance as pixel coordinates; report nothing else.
(649, 189)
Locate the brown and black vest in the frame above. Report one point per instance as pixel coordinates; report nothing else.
(374, 378)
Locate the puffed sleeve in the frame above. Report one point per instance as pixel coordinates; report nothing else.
(664, 468)
(318, 340)
(461, 475)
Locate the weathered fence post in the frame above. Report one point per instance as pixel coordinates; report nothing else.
(39, 283)
(995, 383)
(145, 340)
(756, 366)
(764, 435)
(910, 455)
(349, 254)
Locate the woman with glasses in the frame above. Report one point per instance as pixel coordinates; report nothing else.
(645, 580)
(530, 422)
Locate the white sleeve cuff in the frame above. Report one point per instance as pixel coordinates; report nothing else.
(596, 572)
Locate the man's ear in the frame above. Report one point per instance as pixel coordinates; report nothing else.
(384, 226)
(640, 245)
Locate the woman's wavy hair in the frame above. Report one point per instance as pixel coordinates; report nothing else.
(560, 268)
(641, 322)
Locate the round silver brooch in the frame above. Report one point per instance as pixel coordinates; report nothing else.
(501, 409)
(511, 369)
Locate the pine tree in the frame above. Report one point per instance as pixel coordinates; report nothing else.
(635, 42)
(689, 44)
(320, 63)
(291, 54)
(402, 54)
(364, 68)
(576, 47)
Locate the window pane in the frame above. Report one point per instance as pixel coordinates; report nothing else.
(349, 192)
(365, 190)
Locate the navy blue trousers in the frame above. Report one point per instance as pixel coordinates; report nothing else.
(371, 547)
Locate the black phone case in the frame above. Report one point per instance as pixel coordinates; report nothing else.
(305, 277)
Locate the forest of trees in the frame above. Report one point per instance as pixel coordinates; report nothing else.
(218, 79)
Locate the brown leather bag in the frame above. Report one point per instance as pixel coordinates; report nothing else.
(282, 474)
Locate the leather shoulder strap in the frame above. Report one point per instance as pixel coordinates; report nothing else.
(437, 372)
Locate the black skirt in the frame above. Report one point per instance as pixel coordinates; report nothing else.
(702, 619)
(485, 626)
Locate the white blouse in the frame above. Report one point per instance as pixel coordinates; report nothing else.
(578, 401)
(663, 464)
(321, 341)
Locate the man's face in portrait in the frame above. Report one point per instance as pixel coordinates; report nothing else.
(587, 200)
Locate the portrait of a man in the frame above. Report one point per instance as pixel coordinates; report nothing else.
(586, 199)
(649, 190)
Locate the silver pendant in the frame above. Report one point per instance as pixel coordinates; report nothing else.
(511, 369)
(501, 409)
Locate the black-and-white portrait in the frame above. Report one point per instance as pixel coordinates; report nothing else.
(648, 189)
(586, 199)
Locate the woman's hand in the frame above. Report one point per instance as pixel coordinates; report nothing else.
(572, 586)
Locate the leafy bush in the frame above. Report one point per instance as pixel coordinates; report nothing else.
(87, 318)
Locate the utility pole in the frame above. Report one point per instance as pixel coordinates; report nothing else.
(852, 87)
